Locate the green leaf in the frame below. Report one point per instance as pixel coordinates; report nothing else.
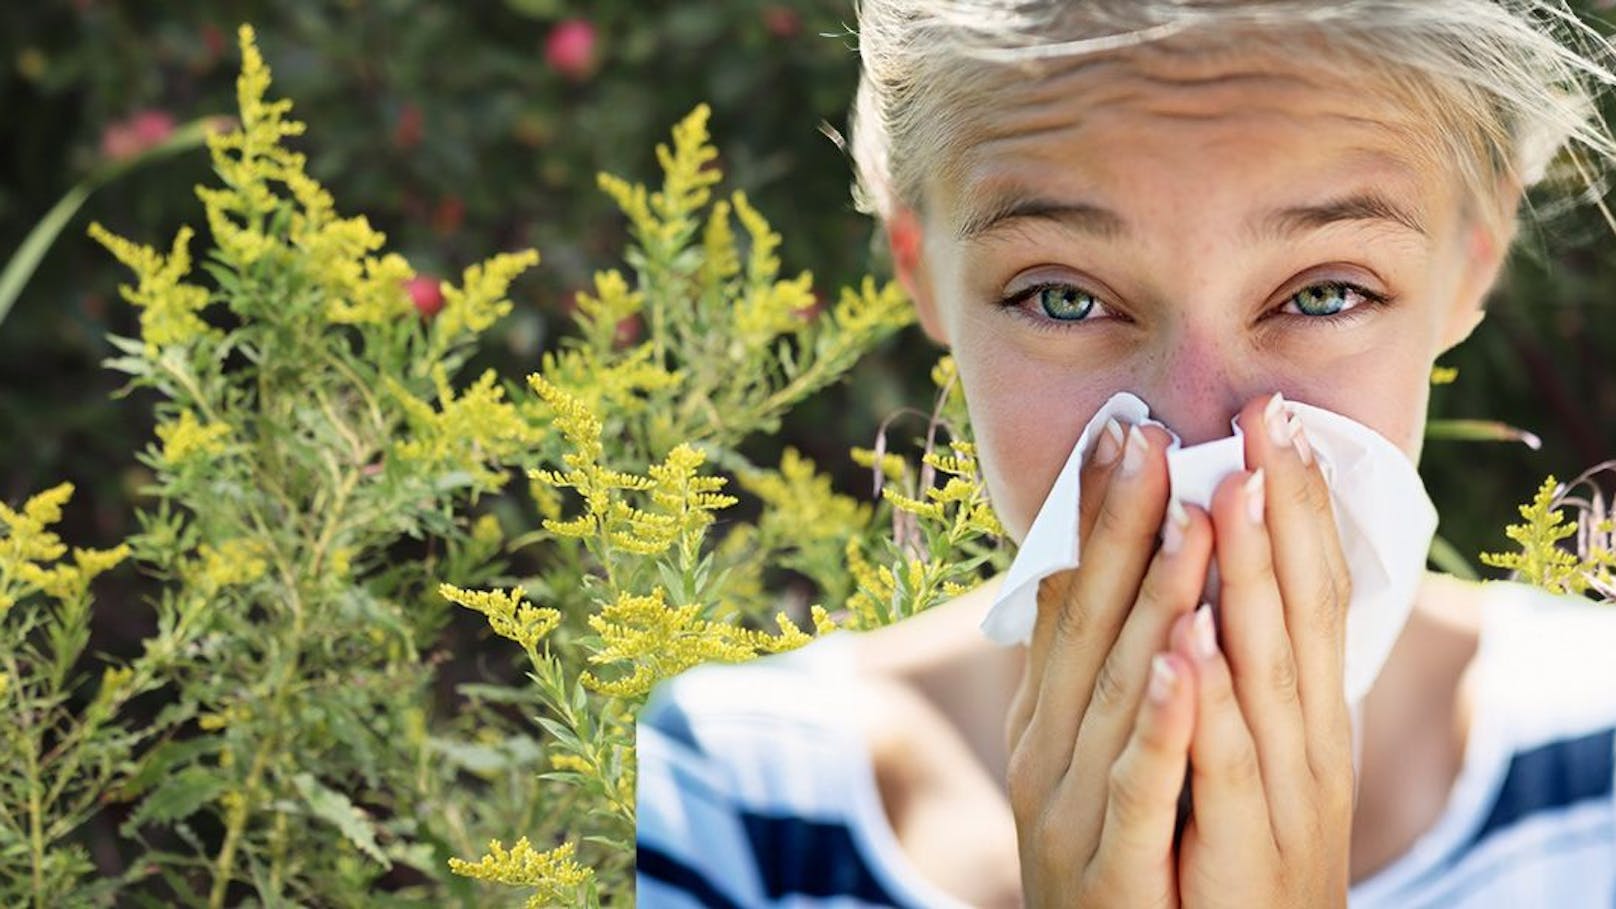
(334, 808)
(177, 797)
(1480, 431)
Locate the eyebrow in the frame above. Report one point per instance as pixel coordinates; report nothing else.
(1004, 210)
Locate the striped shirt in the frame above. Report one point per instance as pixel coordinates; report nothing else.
(753, 790)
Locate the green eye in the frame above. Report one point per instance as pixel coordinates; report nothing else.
(1064, 302)
(1322, 299)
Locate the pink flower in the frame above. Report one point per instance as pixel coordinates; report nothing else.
(136, 133)
(425, 294)
(570, 49)
(781, 21)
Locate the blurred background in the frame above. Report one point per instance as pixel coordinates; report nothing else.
(464, 129)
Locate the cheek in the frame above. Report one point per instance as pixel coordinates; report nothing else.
(1026, 418)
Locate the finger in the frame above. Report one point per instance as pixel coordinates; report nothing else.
(1254, 635)
(1141, 803)
(1171, 588)
(1226, 786)
(1081, 628)
(1310, 569)
(1101, 462)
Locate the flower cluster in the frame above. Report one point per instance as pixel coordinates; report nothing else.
(1542, 560)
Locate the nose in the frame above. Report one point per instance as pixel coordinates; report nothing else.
(1196, 383)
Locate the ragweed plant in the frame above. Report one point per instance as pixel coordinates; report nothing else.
(943, 536)
(642, 446)
(1590, 562)
(312, 464)
(58, 760)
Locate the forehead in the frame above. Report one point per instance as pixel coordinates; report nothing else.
(1165, 120)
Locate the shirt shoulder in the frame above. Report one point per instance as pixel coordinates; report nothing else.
(1532, 818)
(753, 788)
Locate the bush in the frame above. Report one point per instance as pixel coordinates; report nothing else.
(318, 464)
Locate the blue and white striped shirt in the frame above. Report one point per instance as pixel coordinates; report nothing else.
(754, 791)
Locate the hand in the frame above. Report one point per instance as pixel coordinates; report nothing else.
(1096, 767)
(1271, 755)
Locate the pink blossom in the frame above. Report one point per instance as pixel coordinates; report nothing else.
(136, 133)
(425, 294)
(781, 21)
(570, 48)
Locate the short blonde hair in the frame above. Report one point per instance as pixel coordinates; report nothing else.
(1508, 85)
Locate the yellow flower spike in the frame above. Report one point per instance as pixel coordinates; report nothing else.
(871, 310)
(233, 563)
(762, 264)
(554, 873)
(929, 510)
(653, 640)
(599, 314)
(663, 219)
(823, 624)
(45, 508)
(508, 614)
(168, 306)
(480, 300)
(468, 431)
(771, 310)
(634, 200)
(719, 261)
(186, 438)
(571, 762)
(687, 178)
(892, 466)
(1541, 560)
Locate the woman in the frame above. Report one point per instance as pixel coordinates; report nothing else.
(1218, 206)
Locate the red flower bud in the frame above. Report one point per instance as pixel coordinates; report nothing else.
(425, 294)
(781, 21)
(570, 49)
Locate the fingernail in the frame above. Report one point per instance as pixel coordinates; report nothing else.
(1254, 496)
(1299, 439)
(1274, 416)
(1162, 679)
(1202, 635)
(1133, 457)
(1178, 521)
(1110, 444)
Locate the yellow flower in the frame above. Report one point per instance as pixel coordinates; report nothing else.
(232, 563)
(480, 299)
(168, 306)
(664, 219)
(185, 438)
(507, 612)
(554, 873)
(1541, 560)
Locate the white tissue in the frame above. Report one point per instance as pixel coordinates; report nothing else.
(1383, 515)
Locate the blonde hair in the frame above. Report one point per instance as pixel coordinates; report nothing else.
(1509, 85)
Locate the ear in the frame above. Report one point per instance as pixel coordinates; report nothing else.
(1484, 255)
(904, 235)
